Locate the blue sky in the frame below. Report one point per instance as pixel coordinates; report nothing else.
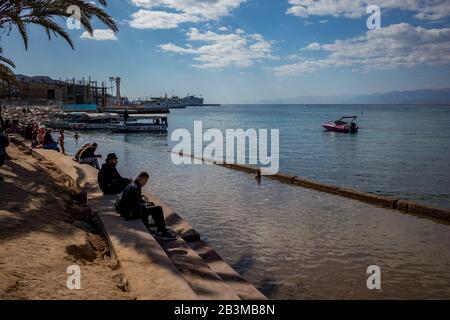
(244, 51)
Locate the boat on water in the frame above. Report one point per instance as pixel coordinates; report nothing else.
(165, 102)
(173, 102)
(142, 123)
(193, 101)
(344, 125)
(78, 121)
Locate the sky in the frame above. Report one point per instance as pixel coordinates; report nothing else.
(243, 51)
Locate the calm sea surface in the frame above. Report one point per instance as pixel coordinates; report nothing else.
(296, 243)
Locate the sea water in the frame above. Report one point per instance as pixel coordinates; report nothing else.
(297, 243)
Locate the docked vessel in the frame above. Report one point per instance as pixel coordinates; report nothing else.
(173, 102)
(142, 123)
(344, 125)
(78, 121)
(165, 102)
(193, 101)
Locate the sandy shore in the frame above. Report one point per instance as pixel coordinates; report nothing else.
(43, 231)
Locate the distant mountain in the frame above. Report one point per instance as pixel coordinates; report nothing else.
(424, 96)
(35, 79)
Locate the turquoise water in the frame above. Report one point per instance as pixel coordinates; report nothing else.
(296, 243)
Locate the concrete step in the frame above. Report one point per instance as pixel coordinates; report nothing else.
(150, 272)
(244, 289)
(200, 277)
(174, 220)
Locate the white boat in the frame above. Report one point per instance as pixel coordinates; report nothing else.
(78, 121)
(142, 123)
(165, 102)
(193, 101)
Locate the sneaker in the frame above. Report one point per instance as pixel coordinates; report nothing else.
(165, 236)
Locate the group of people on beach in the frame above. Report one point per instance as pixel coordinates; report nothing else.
(131, 205)
(40, 137)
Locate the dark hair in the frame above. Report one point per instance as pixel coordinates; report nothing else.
(143, 174)
(94, 144)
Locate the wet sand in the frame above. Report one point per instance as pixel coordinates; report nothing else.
(43, 231)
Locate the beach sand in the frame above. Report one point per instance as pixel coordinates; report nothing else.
(43, 231)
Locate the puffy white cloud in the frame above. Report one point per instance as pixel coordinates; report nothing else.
(423, 9)
(100, 35)
(313, 46)
(224, 50)
(166, 14)
(396, 46)
(145, 19)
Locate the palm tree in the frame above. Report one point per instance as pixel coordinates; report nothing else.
(6, 73)
(22, 13)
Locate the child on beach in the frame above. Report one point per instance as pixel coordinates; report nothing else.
(61, 141)
(76, 136)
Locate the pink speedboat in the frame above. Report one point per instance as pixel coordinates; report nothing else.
(344, 125)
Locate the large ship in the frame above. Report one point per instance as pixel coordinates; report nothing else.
(165, 102)
(193, 101)
(173, 102)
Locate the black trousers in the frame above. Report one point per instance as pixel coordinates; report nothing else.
(116, 187)
(2, 157)
(157, 214)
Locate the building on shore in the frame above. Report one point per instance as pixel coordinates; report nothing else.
(43, 90)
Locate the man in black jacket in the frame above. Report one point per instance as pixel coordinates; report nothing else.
(132, 206)
(109, 179)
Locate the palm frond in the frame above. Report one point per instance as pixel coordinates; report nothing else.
(21, 13)
(7, 74)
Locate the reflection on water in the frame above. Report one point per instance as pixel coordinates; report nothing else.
(292, 242)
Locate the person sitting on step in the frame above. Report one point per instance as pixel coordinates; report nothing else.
(88, 156)
(109, 179)
(132, 206)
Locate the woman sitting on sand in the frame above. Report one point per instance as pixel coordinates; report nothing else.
(49, 143)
